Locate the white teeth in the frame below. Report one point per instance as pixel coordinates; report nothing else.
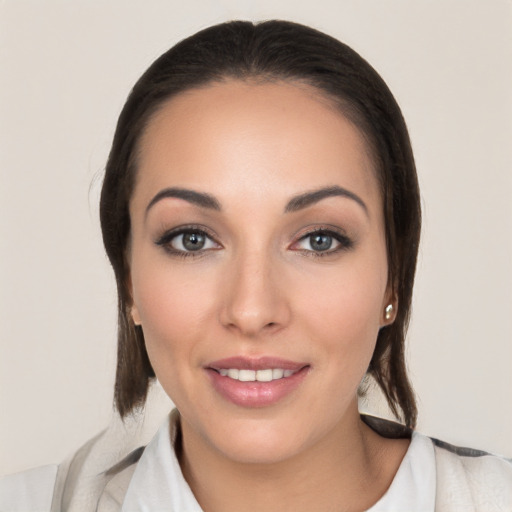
(233, 373)
(246, 375)
(264, 375)
(267, 375)
(277, 373)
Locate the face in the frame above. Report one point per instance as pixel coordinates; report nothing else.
(258, 265)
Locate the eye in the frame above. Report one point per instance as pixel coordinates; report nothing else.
(191, 241)
(323, 241)
(318, 242)
(186, 241)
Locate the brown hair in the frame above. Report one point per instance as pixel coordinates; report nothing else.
(272, 50)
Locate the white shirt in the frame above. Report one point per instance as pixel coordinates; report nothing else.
(158, 483)
(433, 476)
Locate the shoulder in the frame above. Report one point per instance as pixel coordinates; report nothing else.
(465, 475)
(75, 484)
(29, 490)
(465, 479)
(98, 472)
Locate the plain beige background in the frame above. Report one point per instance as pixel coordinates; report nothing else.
(66, 68)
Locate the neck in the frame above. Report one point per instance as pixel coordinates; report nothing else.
(349, 469)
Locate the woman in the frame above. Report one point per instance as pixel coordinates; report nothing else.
(260, 209)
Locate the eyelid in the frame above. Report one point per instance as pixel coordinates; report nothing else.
(164, 240)
(345, 242)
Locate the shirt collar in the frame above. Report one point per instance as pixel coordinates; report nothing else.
(158, 483)
(414, 485)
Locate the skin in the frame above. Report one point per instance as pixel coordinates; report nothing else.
(259, 289)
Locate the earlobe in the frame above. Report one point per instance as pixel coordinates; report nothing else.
(389, 312)
(134, 313)
(390, 308)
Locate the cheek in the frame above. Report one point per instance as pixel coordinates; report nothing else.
(165, 303)
(344, 310)
(172, 306)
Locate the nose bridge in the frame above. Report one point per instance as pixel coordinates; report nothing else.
(254, 300)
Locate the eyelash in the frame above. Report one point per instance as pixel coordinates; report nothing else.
(345, 243)
(165, 240)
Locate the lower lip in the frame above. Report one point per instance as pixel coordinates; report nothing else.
(256, 394)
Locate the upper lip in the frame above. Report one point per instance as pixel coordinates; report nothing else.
(256, 363)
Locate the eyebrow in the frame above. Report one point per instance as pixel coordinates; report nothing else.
(201, 199)
(204, 200)
(309, 198)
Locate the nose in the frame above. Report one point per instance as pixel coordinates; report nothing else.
(255, 301)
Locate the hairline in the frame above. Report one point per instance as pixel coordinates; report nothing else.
(342, 105)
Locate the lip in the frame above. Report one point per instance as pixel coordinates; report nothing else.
(255, 363)
(256, 394)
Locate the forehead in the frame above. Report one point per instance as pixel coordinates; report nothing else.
(246, 138)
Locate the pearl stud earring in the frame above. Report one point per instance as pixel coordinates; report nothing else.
(388, 312)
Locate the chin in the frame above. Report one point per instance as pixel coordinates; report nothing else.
(261, 440)
(262, 447)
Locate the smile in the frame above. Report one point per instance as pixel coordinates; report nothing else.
(265, 375)
(256, 382)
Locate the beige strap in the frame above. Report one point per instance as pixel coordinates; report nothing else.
(112, 497)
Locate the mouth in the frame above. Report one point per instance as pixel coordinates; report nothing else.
(265, 375)
(256, 382)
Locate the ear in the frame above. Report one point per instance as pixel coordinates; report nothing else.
(134, 312)
(389, 307)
